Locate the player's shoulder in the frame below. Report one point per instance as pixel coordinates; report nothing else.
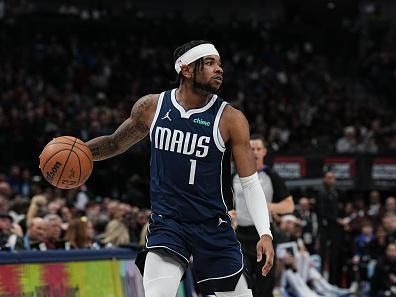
(149, 99)
(147, 102)
(233, 115)
(233, 124)
(145, 107)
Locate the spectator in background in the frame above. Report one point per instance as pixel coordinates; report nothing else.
(10, 234)
(92, 211)
(131, 221)
(296, 266)
(116, 234)
(379, 243)
(18, 210)
(112, 209)
(362, 251)
(3, 203)
(347, 143)
(359, 215)
(54, 232)
(54, 206)
(390, 206)
(309, 222)
(36, 235)
(383, 282)
(38, 208)
(374, 209)
(330, 230)
(389, 223)
(80, 234)
(66, 216)
(5, 189)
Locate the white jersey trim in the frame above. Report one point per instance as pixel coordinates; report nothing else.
(157, 111)
(168, 248)
(221, 183)
(186, 114)
(216, 130)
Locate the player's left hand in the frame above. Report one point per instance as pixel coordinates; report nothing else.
(264, 246)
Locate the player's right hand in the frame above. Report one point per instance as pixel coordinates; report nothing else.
(264, 246)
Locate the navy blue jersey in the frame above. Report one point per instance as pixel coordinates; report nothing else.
(189, 160)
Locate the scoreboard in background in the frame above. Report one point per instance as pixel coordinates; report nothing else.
(343, 169)
(383, 172)
(360, 172)
(290, 167)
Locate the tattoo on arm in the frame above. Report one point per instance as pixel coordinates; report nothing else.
(131, 131)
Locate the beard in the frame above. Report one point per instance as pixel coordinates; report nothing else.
(205, 88)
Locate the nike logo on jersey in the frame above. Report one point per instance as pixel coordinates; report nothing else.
(185, 143)
(167, 116)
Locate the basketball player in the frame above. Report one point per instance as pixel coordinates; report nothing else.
(192, 133)
(279, 201)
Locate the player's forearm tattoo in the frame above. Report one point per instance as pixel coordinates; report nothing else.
(102, 147)
(128, 133)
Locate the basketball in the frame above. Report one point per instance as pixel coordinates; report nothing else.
(66, 162)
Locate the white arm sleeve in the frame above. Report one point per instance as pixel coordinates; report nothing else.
(256, 203)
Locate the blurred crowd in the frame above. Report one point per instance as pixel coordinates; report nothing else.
(55, 219)
(61, 80)
(351, 243)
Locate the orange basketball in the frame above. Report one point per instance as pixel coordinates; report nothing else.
(66, 162)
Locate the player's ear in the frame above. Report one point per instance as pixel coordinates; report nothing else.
(187, 71)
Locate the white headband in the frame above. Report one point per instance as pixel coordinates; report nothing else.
(194, 54)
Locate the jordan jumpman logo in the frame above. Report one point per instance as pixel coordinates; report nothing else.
(167, 116)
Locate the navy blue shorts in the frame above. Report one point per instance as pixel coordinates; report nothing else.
(217, 257)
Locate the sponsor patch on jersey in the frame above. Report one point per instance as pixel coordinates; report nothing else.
(201, 122)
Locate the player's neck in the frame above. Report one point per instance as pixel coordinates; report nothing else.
(190, 99)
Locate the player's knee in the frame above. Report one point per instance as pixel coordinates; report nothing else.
(160, 287)
(152, 291)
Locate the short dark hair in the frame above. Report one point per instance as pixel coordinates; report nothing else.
(258, 137)
(183, 49)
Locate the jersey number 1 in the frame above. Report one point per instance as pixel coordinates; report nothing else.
(192, 171)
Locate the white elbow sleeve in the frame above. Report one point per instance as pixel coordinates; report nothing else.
(256, 203)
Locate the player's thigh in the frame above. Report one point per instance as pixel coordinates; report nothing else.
(218, 259)
(166, 233)
(162, 275)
